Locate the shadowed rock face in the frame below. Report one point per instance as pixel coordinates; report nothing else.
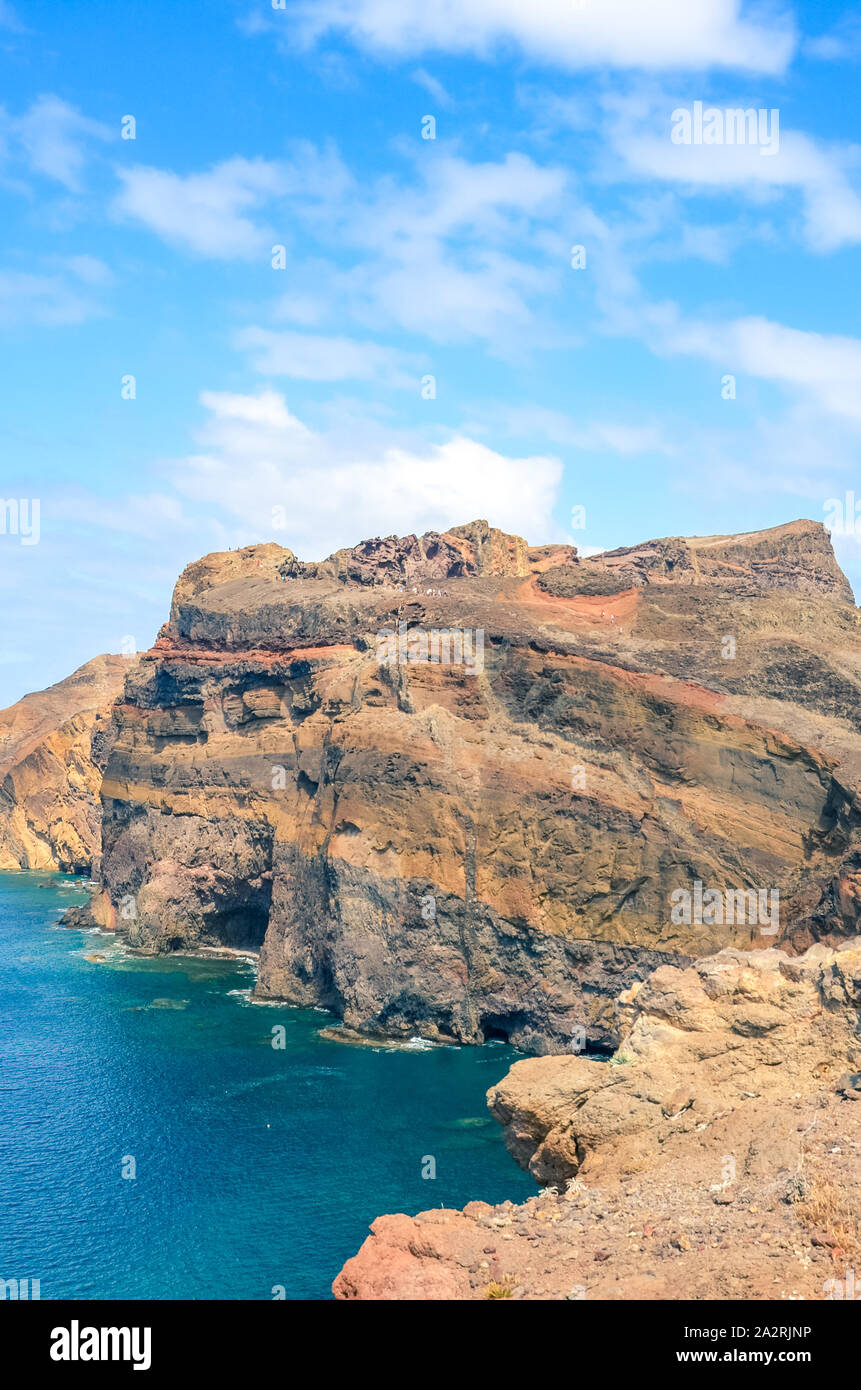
(489, 849)
(53, 748)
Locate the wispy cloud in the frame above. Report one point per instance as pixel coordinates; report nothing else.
(52, 299)
(454, 250)
(824, 367)
(837, 44)
(10, 20)
(54, 139)
(615, 33)
(208, 213)
(616, 436)
(315, 357)
(819, 173)
(433, 87)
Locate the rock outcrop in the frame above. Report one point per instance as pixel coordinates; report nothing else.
(53, 748)
(476, 549)
(789, 559)
(716, 1155)
(459, 786)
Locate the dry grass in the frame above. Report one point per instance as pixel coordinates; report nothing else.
(828, 1211)
(500, 1288)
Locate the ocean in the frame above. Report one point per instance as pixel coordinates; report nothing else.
(155, 1145)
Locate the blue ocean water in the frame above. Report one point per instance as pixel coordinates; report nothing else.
(255, 1167)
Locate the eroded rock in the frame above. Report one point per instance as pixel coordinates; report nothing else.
(490, 850)
(699, 1162)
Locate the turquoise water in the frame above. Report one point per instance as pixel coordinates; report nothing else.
(255, 1167)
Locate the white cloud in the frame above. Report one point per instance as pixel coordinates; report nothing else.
(640, 129)
(89, 269)
(53, 136)
(842, 41)
(9, 19)
(338, 490)
(462, 251)
(315, 357)
(568, 35)
(425, 290)
(149, 516)
(598, 435)
(433, 87)
(207, 213)
(457, 255)
(458, 196)
(457, 252)
(265, 411)
(824, 367)
(215, 213)
(27, 298)
(307, 309)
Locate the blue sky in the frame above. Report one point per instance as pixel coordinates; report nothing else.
(285, 402)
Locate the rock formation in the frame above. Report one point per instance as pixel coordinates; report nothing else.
(53, 748)
(492, 843)
(715, 1156)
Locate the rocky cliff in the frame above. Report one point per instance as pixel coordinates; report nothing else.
(53, 748)
(455, 785)
(714, 1156)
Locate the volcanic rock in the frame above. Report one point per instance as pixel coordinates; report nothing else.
(490, 844)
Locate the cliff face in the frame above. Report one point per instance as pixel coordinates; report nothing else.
(715, 1156)
(53, 748)
(488, 844)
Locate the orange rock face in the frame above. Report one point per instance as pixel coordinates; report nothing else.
(455, 786)
(53, 746)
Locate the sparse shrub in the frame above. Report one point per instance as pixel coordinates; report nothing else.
(825, 1208)
(500, 1288)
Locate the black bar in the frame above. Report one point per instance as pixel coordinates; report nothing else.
(233, 1338)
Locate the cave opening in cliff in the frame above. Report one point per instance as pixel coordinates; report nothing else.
(496, 1028)
(492, 1033)
(241, 928)
(240, 917)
